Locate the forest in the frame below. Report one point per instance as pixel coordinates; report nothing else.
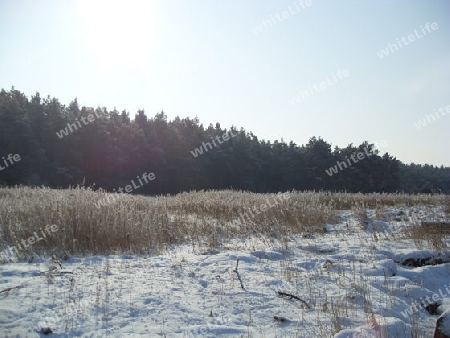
(44, 142)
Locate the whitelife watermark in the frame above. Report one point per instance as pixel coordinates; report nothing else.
(392, 47)
(364, 333)
(43, 51)
(70, 312)
(315, 88)
(355, 158)
(11, 159)
(225, 137)
(427, 119)
(46, 50)
(299, 6)
(194, 64)
(114, 197)
(72, 127)
(262, 208)
(24, 244)
(426, 302)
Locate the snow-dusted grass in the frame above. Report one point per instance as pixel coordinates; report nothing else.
(148, 225)
(344, 269)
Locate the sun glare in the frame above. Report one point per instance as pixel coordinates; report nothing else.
(120, 34)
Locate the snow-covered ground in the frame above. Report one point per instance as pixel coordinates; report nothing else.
(347, 283)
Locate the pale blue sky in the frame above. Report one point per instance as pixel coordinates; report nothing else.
(201, 58)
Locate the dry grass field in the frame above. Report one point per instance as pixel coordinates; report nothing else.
(204, 219)
(222, 263)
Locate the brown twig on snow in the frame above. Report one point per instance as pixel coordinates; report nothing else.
(239, 276)
(280, 293)
(9, 289)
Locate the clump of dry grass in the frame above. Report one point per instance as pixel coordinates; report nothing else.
(147, 225)
(139, 224)
(127, 225)
(379, 200)
(447, 205)
(361, 214)
(430, 234)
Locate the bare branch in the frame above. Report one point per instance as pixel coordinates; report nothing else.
(280, 293)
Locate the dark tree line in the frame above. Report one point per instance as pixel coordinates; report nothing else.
(108, 149)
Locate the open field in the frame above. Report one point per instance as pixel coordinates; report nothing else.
(222, 263)
(146, 225)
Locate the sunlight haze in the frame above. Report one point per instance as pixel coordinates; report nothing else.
(241, 63)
